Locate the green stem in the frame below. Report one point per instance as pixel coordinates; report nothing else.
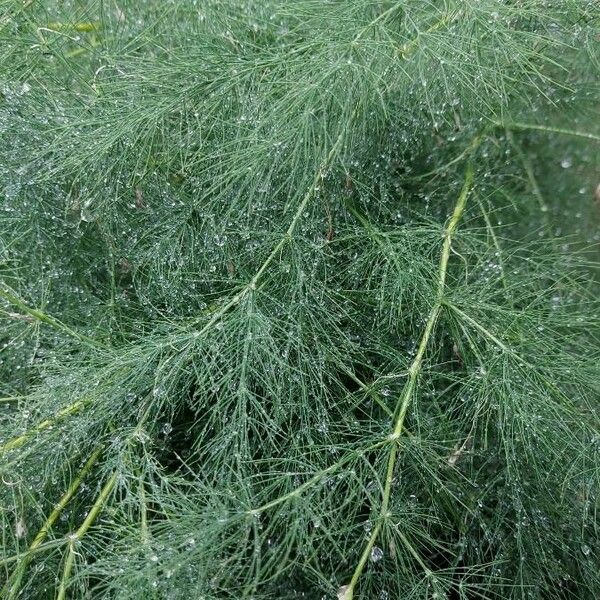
(41, 548)
(316, 478)
(13, 584)
(43, 317)
(409, 47)
(414, 371)
(381, 17)
(145, 535)
(532, 126)
(488, 334)
(528, 168)
(76, 537)
(496, 242)
(18, 441)
(252, 284)
(12, 398)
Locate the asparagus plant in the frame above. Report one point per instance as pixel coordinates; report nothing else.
(299, 299)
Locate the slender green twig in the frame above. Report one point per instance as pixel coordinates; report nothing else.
(252, 284)
(547, 129)
(499, 251)
(43, 547)
(76, 537)
(316, 478)
(13, 584)
(409, 390)
(378, 19)
(18, 441)
(409, 47)
(43, 317)
(527, 166)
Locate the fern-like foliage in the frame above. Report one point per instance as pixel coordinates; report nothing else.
(299, 299)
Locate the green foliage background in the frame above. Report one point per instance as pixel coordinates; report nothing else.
(299, 299)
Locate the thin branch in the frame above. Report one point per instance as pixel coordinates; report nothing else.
(76, 537)
(18, 441)
(547, 129)
(252, 284)
(43, 317)
(13, 584)
(410, 387)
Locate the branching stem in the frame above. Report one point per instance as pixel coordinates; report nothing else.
(547, 129)
(12, 586)
(252, 284)
(316, 478)
(18, 441)
(414, 371)
(43, 317)
(75, 537)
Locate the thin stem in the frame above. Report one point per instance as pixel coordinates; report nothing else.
(18, 441)
(12, 398)
(41, 548)
(13, 584)
(488, 334)
(252, 284)
(75, 537)
(495, 241)
(532, 126)
(43, 317)
(414, 371)
(530, 173)
(506, 349)
(315, 479)
(144, 533)
(384, 15)
(409, 47)
(367, 389)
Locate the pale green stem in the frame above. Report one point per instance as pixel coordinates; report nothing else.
(145, 535)
(43, 317)
(12, 586)
(529, 171)
(409, 47)
(495, 241)
(413, 374)
(381, 17)
(92, 515)
(547, 129)
(41, 548)
(12, 398)
(18, 441)
(76, 537)
(252, 284)
(315, 479)
(488, 334)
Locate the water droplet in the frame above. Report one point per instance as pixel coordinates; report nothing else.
(323, 427)
(586, 550)
(566, 162)
(376, 553)
(20, 529)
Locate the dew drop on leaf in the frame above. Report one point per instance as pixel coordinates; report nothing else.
(376, 553)
(566, 162)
